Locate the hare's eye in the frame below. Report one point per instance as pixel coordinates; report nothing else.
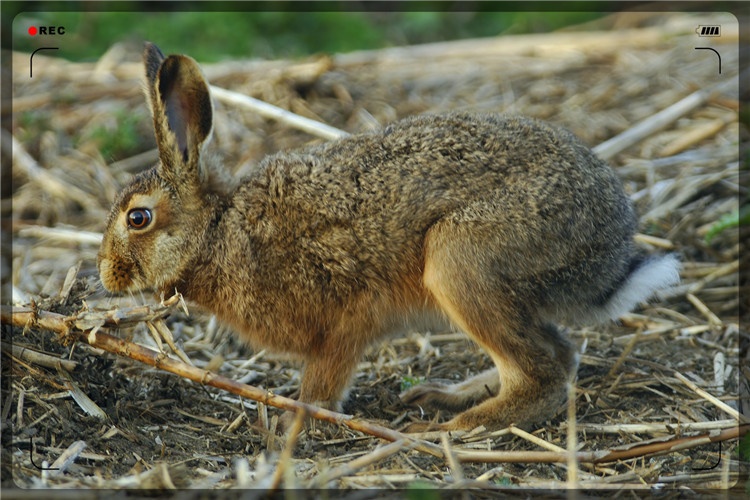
(138, 218)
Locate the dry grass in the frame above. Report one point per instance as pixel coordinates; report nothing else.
(655, 393)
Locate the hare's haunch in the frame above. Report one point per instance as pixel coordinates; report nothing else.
(500, 225)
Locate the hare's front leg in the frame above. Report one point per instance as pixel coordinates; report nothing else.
(324, 382)
(325, 379)
(328, 369)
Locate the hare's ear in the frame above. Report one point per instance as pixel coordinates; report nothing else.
(152, 59)
(183, 114)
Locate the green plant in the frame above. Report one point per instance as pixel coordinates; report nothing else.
(209, 35)
(503, 481)
(422, 490)
(734, 219)
(408, 382)
(743, 449)
(31, 124)
(120, 140)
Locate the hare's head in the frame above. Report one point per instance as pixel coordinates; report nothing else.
(158, 222)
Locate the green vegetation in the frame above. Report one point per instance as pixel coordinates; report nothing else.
(211, 36)
(504, 481)
(422, 490)
(737, 218)
(408, 382)
(743, 450)
(31, 124)
(118, 138)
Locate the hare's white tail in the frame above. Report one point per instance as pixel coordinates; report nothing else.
(653, 274)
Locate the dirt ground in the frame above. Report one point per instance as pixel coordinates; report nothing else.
(668, 371)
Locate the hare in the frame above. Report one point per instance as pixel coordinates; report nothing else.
(500, 225)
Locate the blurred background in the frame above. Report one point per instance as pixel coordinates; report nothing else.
(80, 129)
(283, 33)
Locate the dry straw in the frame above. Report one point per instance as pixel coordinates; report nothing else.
(656, 392)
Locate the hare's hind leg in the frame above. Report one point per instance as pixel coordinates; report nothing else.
(534, 361)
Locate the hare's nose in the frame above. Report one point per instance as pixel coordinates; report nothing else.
(115, 274)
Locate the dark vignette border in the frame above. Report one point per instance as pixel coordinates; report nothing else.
(9, 9)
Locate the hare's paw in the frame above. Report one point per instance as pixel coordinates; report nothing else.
(287, 421)
(451, 425)
(321, 429)
(456, 397)
(520, 408)
(420, 427)
(466, 421)
(427, 394)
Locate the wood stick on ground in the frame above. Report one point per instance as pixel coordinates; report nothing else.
(721, 404)
(84, 402)
(357, 464)
(63, 326)
(39, 358)
(61, 234)
(450, 457)
(275, 113)
(67, 458)
(66, 326)
(598, 457)
(696, 135)
(286, 454)
(658, 121)
(572, 480)
(712, 318)
(533, 439)
(25, 163)
(657, 428)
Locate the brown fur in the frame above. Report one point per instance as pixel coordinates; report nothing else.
(500, 224)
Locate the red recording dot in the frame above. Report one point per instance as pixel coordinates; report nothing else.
(32, 30)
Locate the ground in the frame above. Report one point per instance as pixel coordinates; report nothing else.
(640, 379)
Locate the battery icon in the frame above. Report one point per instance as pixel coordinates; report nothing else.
(708, 30)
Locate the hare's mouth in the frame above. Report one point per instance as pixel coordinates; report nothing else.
(118, 276)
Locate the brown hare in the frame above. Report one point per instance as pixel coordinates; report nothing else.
(499, 225)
